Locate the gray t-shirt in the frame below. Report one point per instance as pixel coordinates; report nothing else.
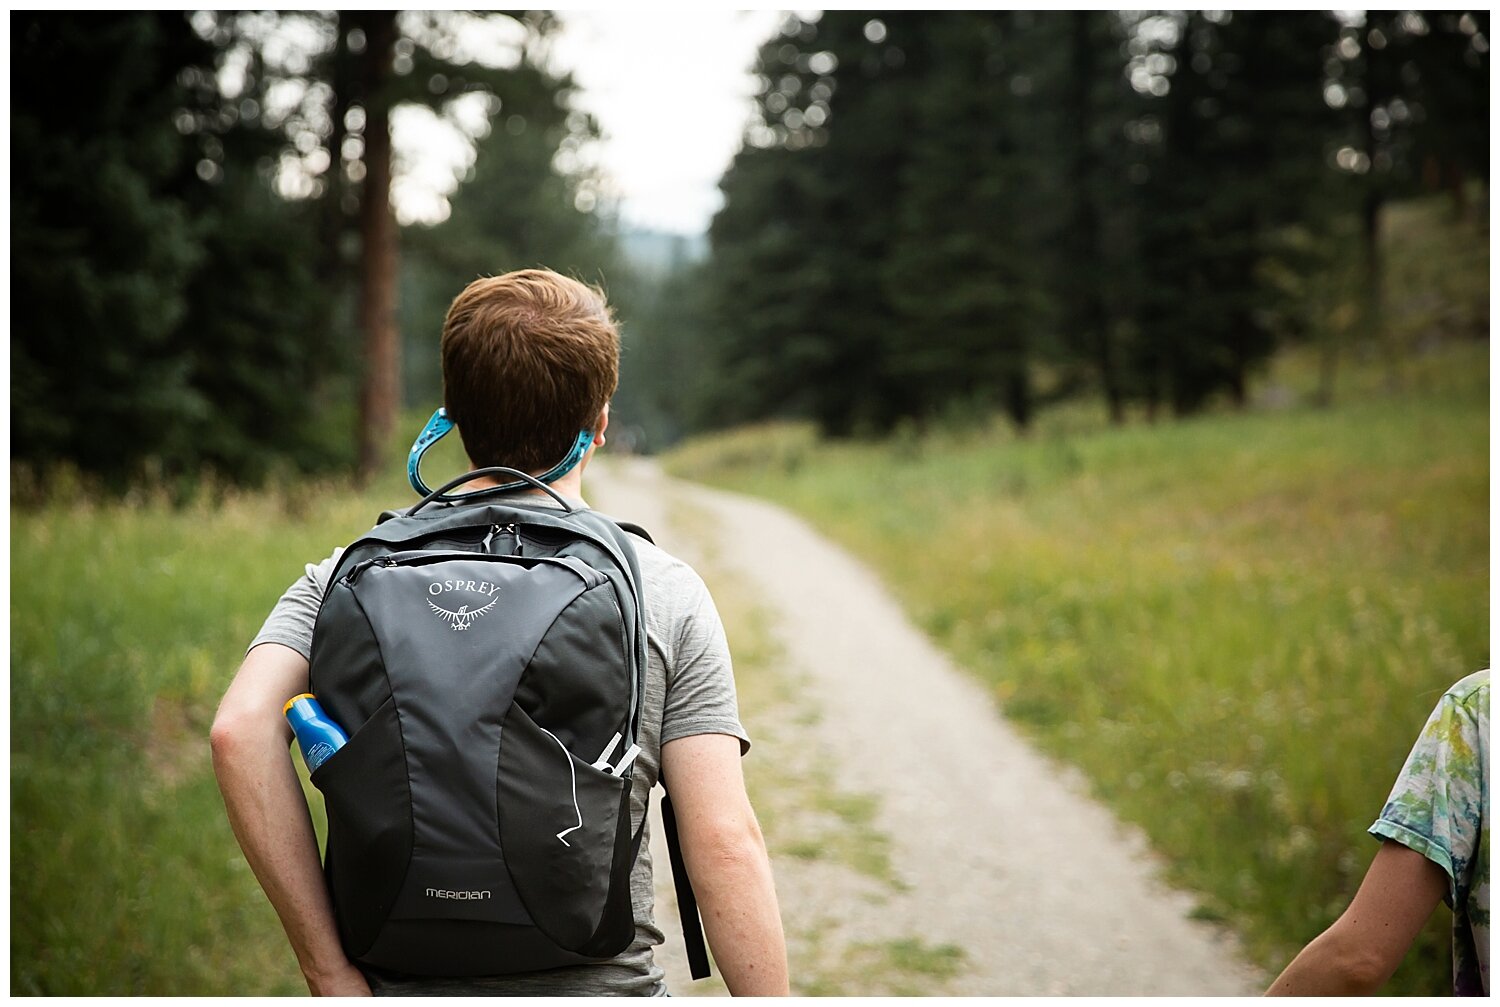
(689, 691)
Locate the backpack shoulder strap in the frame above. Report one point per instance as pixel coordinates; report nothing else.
(636, 530)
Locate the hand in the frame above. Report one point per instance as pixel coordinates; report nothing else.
(345, 982)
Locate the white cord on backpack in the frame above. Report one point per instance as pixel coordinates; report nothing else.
(573, 778)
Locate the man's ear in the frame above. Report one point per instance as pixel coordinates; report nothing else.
(601, 426)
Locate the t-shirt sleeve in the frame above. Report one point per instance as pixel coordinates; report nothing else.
(291, 620)
(1436, 807)
(700, 697)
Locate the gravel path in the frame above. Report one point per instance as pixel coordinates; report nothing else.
(997, 850)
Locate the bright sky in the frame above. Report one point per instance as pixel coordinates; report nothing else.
(671, 91)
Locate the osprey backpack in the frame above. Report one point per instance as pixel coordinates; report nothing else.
(488, 664)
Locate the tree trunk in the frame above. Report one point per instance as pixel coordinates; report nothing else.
(1110, 374)
(1380, 87)
(1328, 362)
(334, 213)
(380, 390)
(1018, 397)
(1091, 312)
(1374, 312)
(1453, 181)
(1153, 392)
(1239, 387)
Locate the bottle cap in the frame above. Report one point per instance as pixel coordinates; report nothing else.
(288, 706)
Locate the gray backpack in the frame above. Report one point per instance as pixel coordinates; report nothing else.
(488, 663)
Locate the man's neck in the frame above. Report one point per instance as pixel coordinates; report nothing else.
(568, 486)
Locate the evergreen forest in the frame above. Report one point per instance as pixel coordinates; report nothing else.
(933, 219)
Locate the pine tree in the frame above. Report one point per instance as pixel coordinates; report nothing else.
(1095, 275)
(373, 63)
(1241, 121)
(157, 319)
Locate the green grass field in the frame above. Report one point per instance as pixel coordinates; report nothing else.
(126, 623)
(1236, 625)
(128, 619)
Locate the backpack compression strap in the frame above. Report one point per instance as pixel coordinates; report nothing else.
(687, 903)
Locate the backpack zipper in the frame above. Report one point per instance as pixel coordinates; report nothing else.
(423, 559)
(349, 578)
(501, 529)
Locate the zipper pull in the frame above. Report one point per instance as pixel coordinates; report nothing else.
(490, 537)
(359, 568)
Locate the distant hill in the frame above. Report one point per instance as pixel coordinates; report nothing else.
(658, 253)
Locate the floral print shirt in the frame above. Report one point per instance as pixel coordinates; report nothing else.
(1440, 807)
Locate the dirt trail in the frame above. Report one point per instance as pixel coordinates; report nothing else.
(994, 849)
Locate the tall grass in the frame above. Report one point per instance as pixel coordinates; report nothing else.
(1235, 625)
(128, 619)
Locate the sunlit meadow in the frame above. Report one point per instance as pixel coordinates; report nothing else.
(1235, 625)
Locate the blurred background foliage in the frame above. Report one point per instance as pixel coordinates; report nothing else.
(957, 251)
(1002, 210)
(934, 217)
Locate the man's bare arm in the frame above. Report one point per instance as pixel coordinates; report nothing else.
(726, 859)
(1361, 949)
(268, 812)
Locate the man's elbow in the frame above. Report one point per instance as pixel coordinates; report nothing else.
(732, 844)
(1365, 972)
(1357, 966)
(227, 736)
(236, 731)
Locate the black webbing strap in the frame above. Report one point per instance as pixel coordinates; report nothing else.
(687, 904)
(636, 529)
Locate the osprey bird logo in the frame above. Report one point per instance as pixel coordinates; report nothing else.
(463, 618)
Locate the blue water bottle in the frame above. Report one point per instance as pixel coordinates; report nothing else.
(317, 735)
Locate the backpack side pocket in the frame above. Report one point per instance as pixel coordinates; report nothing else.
(560, 822)
(368, 800)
